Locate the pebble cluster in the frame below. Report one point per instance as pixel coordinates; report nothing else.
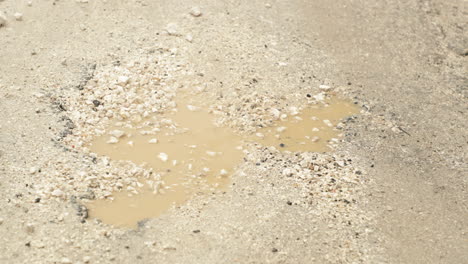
(127, 92)
(123, 94)
(330, 186)
(92, 178)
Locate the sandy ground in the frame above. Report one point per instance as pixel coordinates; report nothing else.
(403, 62)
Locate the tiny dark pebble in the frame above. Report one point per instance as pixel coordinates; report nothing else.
(196, 231)
(28, 244)
(309, 95)
(282, 145)
(349, 83)
(289, 203)
(274, 250)
(96, 103)
(37, 200)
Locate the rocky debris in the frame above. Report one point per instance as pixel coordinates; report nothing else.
(81, 210)
(67, 260)
(18, 16)
(195, 11)
(163, 156)
(324, 87)
(117, 133)
(189, 37)
(122, 80)
(172, 29)
(57, 193)
(32, 170)
(87, 75)
(30, 228)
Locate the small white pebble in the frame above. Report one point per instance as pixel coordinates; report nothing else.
(327, 122)
(260, 135)
(123, 80)
(324, 87)
(192, 108)
(112, 140)
(280, 129)
(275, 112)
(315, 139)
(163, 156)
(32, 170)
(153, 141)
(172, 29)
(293, 110)
(195, 11)
(18, 16)
(268, 5)
(315, 129)
(29, 3)
(223, 172)
(30, 228)
(189, 37)
(211, 153)
(319, 97)
(287, 172)
(205, 169)
(57, 193)
(66, 260)
(117, 133)
(130, 143)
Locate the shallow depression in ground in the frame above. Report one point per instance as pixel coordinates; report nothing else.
(190, 155)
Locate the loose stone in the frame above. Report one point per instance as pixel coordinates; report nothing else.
(117, 133)
(196, 12)
(163, 156)
(172, 29)
(112, 140)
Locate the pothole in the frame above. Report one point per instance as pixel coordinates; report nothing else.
(188, 154)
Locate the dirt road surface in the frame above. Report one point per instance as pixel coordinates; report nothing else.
(399, 195)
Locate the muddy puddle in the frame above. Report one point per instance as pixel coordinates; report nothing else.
(193, 156)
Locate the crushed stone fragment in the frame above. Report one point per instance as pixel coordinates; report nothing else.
(112, 140)
(195, 11)
(163, 156)
(18, 16)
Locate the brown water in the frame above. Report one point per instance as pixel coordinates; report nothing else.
(194, 156)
